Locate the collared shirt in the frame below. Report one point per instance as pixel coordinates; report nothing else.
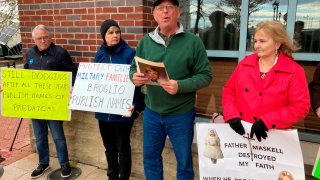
(155, 35)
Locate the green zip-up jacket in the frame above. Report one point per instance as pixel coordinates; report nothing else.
(186, 61)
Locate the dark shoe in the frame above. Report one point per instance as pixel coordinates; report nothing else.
(113, 178)
(39, 171)
(65, 170)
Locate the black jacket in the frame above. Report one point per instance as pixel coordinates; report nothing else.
(54, 58)
(122, 55)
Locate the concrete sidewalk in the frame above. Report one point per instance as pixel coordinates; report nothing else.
(21, 170)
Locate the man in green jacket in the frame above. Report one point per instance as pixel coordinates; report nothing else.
(170, 106)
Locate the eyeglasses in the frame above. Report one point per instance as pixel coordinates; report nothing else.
(167, 7)
(44, 38)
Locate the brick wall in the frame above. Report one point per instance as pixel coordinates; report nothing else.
(75, 24)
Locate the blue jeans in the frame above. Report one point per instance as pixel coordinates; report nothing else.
(180, 130)
(40, 129)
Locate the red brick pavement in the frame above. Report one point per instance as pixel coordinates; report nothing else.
(21, 147)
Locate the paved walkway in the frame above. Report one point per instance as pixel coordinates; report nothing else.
(12, 150)
(21, 170)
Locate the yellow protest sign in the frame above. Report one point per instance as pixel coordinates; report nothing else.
(35, 94)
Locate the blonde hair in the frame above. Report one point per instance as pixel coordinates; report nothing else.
(279, 34)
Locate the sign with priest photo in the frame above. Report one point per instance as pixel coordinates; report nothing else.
(103, 87)
(224, 154)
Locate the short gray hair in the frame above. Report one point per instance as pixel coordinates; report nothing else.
(40, 26)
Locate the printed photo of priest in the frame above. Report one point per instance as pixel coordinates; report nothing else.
(212, 146)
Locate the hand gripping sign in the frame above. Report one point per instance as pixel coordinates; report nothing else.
(103, 87)
(224, 154)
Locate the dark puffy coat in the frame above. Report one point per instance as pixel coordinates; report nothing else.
(55, 58)
(122, 55)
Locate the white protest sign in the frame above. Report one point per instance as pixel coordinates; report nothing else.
(316, 167)
(225, 155)
(103, 87)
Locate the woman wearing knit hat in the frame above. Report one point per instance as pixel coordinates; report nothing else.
(115, 129)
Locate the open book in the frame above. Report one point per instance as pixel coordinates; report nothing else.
(155, 71)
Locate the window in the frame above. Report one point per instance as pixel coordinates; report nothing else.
(270, 10)
(307, 26)
(230, 23)
(215, 22)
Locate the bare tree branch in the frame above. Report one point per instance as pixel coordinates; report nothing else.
(199, 15)
(234, 15)
(9, 12)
